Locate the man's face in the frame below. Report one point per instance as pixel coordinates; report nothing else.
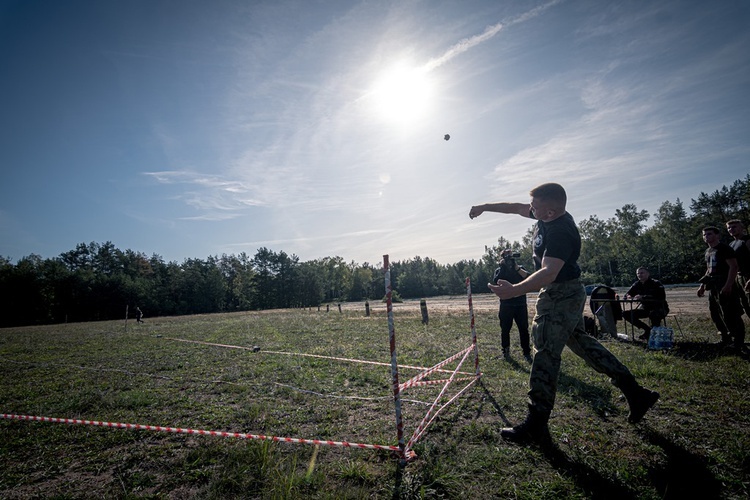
(711, 238)
(735, 229)
(541, 210)
(642, 275)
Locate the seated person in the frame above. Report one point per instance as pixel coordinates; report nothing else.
(653, 302)
(606, 308)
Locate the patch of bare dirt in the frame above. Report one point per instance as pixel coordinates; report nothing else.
(682, 301)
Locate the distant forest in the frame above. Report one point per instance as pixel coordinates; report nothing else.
(97, 281)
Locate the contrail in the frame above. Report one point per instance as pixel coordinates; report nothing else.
(491, 31)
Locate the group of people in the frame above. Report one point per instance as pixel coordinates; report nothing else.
(727, 281)
(559, 319)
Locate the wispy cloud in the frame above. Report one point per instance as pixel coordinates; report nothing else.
(327, 239)
(199, 179)
(636, 138)
(310, 152)
(214, 217)
(471, 42)
(217, 198)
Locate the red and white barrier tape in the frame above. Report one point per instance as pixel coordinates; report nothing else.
(404, 451)
(426, 421)
(428, 371)
(434, 382)
(319, 356)
(473, 329)
(423, 427)
(201, 432)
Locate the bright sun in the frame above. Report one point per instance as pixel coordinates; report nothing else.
(402, 94)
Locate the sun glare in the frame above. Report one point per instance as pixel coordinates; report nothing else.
(402, 94)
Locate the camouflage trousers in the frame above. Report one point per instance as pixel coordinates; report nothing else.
(726, 313)
(559, 322)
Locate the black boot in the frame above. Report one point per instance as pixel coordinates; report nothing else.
(533, 429)
(640, 399)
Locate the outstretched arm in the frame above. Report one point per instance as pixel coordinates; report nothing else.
(522, 209)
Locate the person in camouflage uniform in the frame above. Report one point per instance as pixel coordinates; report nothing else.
(741, 246)
(559, 312)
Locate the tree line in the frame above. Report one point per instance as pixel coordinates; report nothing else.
(97, 281)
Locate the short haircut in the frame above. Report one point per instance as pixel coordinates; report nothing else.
(644, 269)
(735, 221)
(712, 229)
(552, 193)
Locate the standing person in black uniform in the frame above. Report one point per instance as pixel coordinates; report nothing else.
(653, 302)
(514, 309)
(741, 246)
(723, 294)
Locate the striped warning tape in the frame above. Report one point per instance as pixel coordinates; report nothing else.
(320, 356)
(201, 432)
(183, 379)
(429, 371)
(435, 382)
(429, 417)
(420, 430)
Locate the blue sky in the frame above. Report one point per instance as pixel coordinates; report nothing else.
(189, 129)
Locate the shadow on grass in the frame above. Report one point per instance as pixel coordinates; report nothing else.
(588, 479)
(600, 399)
(703, 351)
(402, 490)
(399, 480)
(684, 475)
(488, 397)
(522, 367)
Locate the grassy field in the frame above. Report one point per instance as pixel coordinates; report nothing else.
(694, 444)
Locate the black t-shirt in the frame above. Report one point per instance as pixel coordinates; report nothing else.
(559, 239)
(652, 292)
(742, 254)
(509, 274)
(716, 259)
